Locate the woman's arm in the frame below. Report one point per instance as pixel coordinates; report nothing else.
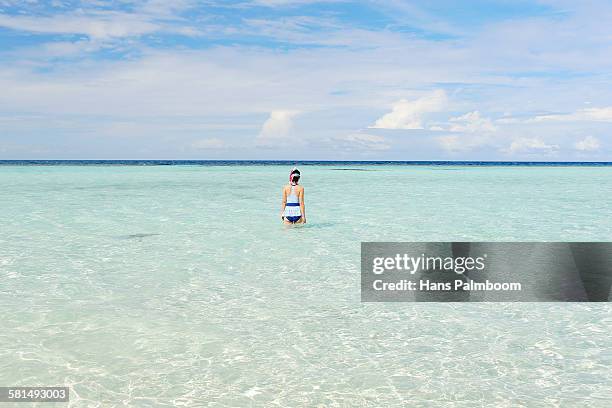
(284, 202)
(303, 206)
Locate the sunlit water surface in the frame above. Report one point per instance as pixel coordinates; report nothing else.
(177, 286)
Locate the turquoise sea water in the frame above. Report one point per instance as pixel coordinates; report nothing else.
(178, 286)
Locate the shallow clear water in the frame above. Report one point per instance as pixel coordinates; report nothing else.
(177, 286)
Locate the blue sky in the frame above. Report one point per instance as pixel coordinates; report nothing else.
(305, 79)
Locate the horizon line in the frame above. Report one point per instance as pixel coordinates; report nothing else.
(290, 161)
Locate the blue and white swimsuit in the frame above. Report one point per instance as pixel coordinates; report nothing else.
(292, 211)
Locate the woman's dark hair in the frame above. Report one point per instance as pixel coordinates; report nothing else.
(295, 176)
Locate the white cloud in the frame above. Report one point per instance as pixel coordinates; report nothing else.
(164, 8)
(477, 131)
(587, 144)
(96, 26)
(462, 143)
(277, 127)
(409, 114)
(146, 17)
(279, 3)
(363, 141)
(471, 122)
(525, 144)
(450, 143)
(509, 120)
(587, 114)
(211, 143)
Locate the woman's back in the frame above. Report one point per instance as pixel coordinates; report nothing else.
(293, 193)
(293, 210)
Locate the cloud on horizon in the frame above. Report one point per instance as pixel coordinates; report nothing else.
(531, 145)
(603, 114)
(588, 144)
(362, 142)
(276, 129)
(407, 114)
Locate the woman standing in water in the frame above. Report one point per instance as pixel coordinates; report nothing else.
(293, 210)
